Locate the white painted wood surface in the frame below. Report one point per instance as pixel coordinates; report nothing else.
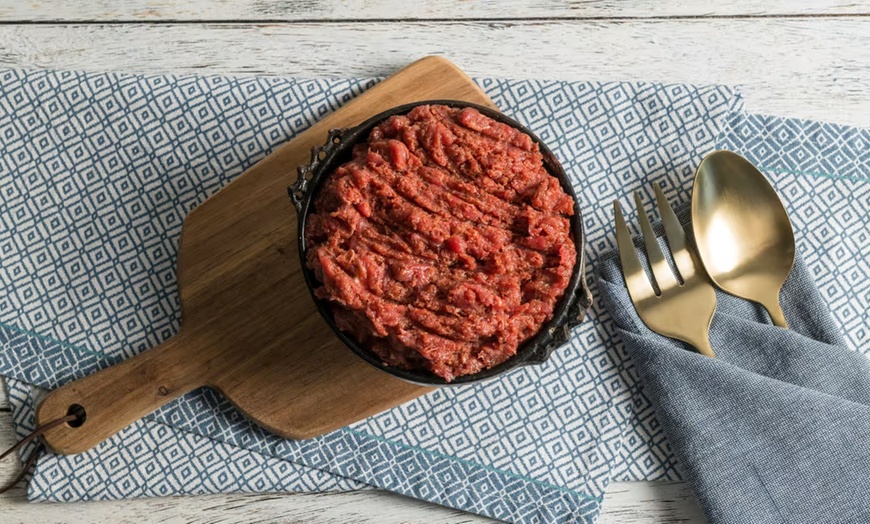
(276, 10)
(808, 67)
(808, 59)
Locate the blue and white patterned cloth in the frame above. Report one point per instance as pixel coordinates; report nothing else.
(97, 172)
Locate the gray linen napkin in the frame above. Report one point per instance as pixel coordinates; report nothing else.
(774, 430)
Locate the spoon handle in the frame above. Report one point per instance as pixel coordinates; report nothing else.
(775, 311)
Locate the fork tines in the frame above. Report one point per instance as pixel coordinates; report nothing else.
(684, 304)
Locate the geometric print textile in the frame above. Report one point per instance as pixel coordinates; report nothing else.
(98, 170)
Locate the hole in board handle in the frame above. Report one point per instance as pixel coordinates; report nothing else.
(80, 414)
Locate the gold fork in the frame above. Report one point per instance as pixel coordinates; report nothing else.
(680, 310)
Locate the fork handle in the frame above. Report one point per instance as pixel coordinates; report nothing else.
(703, 347)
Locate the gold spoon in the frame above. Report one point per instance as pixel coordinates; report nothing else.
(745, 240)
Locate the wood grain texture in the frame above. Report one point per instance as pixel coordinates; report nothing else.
(4, 401)
(805, 68)
(249, 326)
(290, 10)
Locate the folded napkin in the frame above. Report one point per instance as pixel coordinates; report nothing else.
(97, 173)
(821, 171)
(777, 427)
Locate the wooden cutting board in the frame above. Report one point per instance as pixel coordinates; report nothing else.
(249, 326)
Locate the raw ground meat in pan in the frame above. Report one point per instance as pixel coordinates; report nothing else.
(444, 243)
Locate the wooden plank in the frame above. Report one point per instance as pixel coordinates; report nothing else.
(376, 507)
(650, 502)
(4, 399)
(806, 68)
(284, 10)
(657, 502)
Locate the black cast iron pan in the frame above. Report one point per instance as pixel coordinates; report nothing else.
(569, 311)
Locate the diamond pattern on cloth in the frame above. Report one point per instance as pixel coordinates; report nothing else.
(96, 175)
(821, 172)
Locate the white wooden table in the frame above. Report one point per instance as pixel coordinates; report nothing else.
(807, 59)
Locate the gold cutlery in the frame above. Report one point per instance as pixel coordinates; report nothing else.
(682, 309)
(744, 238)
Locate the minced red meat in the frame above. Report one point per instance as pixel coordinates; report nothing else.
(444, 244)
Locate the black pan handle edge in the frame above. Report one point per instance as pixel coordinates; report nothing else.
(299, 190)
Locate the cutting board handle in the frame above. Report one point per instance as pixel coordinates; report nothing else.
(115, 397)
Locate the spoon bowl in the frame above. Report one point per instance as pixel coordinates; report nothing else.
(745, 240)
